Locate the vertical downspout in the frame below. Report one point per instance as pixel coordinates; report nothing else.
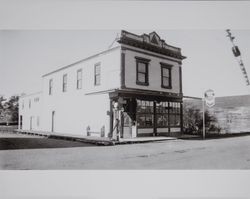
(122, 68)
(181, 115)
(122, 76)
(181, 104)
(169, 119)
(19, 118)
(111, 118)
(155, 119)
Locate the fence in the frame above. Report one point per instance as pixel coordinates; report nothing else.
(6, 129)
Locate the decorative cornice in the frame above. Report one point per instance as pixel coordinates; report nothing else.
(151, 42)
(150, 92)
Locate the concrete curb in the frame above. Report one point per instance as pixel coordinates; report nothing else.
(92, 140)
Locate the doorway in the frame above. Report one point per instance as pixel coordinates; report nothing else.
(21, 122)
(53, 121)
(30, 122)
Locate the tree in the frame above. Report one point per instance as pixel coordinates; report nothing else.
(2, 100)
(12, 108)
(9, 109)
(193, 119)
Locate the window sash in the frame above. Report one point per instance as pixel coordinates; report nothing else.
(142, 72)
(142, 67)
(79, 79)
(38, 121)
(166, 81)
(64, 83)
(167, 114)
(165, 72)
(50, 86)
(79, 84)
(97, 79)
(97, 74)
(166, 76)
(162, 120)
(141, 77)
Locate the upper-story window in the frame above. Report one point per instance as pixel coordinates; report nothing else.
(166, 76)
(30, 103)
(64, 83)
(37, 120)
(142, 71)
(97, 74)
(79, 79)
(50, 86)
(36, 99)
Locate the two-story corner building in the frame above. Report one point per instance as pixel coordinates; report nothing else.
(137, 83)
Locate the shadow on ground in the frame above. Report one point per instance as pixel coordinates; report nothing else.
(216, 136)
(38, 143)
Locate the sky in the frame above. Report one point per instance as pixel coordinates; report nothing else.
(25, 55)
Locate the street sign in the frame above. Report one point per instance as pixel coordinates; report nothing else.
(209, 98)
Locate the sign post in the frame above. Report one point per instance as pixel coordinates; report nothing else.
(210, 102)
(203, 120)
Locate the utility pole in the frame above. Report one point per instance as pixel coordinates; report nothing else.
(237, 54)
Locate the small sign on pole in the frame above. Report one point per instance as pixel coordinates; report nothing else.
(209, 99)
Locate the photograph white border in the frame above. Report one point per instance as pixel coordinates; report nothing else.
(76, 14)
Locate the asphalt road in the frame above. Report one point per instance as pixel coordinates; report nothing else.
(29, 152)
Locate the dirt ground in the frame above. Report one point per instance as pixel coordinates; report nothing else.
(33, 152)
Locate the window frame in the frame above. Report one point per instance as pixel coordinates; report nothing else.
(65, 81)
(50, 86)
(37, 121)
(146, 73)
(162, 111)
(145, 110)
(97, 74)
(79, 80)
(175, 114)
(169, 68)
(29, 103)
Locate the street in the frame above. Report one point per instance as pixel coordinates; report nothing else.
(33, 152)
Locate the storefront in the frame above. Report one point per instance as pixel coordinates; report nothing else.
(147, 114)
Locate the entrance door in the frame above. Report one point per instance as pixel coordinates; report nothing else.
(53, 119)
(129, 119)
(31, 123)
(127, 126)
(21, 122)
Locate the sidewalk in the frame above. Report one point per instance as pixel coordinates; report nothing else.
(88, 139)
(94, 139)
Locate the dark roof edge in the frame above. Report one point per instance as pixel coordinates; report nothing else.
(246, 95)
(155, 33)
(190, 97)
(28, 95)
(82, 60)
